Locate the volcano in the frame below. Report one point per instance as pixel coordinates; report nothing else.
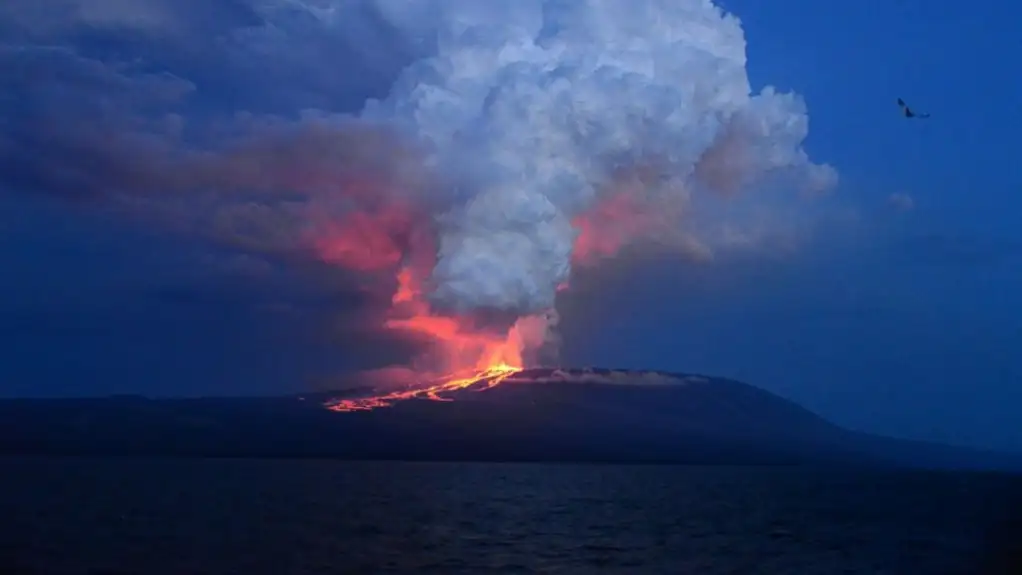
(549, 414)
(560, 400)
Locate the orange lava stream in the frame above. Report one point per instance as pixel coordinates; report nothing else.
(478, 381)
(475, 359)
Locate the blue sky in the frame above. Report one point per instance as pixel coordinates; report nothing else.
(940, 361)
(908, 322)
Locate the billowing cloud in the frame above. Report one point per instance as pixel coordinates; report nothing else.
(462, 156)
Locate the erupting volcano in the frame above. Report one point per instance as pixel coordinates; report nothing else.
(381, 238)
(415, 185)
(461, 354)
(450, 198)
(529, 139)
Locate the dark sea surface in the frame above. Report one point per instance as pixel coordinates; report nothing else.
(191, 516)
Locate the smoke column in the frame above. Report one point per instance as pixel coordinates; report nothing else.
(556, 131)
(522, 140)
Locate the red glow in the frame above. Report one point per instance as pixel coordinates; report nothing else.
(365, 241)
(625, 213)
(606, 228)
(471, 358)
(385, 236)
(388, 237)
(461, 346)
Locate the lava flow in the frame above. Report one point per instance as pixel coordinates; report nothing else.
(495, 358)
(477, 381)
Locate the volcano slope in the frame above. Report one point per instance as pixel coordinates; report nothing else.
(589, 415)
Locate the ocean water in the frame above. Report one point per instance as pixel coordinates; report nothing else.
(192, 516)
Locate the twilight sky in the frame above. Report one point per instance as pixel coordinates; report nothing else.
(169, 215)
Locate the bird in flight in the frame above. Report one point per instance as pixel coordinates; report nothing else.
(907, 112)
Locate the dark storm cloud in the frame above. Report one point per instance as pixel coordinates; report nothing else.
(105, 98)
(75, 127)
(89, 308)
(180, 110)
(187, 115)
(324, 302)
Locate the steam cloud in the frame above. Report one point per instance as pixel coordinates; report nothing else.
(535, 106)
(519, 138)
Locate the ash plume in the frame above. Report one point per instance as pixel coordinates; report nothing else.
(538, 108)
(503, 142)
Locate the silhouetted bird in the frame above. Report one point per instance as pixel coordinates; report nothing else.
(908, 111)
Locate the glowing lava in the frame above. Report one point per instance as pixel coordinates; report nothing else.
(494, 358)
(473, 359)
(477, 381)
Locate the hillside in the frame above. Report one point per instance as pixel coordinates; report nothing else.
(538, 415)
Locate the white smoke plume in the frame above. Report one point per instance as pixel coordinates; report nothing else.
(513, 139)
(530, 107)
